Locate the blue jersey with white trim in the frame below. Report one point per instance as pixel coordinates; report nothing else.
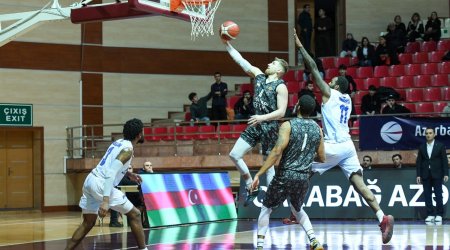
(335, 114)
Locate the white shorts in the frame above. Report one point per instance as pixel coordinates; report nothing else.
(93, 196)
(342, 154)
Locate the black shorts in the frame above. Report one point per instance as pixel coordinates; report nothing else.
(283, 187)
(266, 133)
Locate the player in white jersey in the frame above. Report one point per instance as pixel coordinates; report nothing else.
(99, 192)
(339, 148)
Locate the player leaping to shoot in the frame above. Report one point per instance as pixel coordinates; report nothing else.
(339, 148)
(270, 102)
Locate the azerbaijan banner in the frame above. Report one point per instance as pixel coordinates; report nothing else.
(172, 199)
(400, 133)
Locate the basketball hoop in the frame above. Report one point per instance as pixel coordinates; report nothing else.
(202, 15)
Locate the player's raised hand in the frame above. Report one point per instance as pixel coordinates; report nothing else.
(297, 40)
(255, 183)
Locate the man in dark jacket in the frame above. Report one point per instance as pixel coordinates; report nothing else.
(199, 110)
(219, 92)
(305, 26)
(432, 171)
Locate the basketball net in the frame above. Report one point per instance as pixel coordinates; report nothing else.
(202, 24)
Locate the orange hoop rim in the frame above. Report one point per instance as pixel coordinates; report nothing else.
(198, 2)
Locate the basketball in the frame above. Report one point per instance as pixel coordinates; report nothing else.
(229, 30)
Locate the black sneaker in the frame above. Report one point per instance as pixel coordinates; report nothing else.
(251, 196)
(115, 224)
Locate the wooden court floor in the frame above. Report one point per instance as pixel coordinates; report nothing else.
(51, 230)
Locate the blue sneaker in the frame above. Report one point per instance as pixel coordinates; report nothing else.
(251, 196)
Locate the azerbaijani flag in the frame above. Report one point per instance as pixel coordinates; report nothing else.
(172, 199)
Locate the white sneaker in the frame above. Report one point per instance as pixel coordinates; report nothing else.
(438, 219)
(430, 219)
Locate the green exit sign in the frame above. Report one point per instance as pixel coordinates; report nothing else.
(12, 114)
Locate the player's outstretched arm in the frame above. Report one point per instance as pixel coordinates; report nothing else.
(282, 142)
(251, 70)
(282, 102)
(309, 61)
(320, 153)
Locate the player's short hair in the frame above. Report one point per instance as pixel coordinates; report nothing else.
(192, 95)
(132, 128)
(307, 104)
(306, 5)
(283, 63)
(368, 156)
(399, 156)
(343, 83)
(342, 66)
(217, 73)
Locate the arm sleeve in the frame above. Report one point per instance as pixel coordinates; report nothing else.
(237, 57)
(111, 173)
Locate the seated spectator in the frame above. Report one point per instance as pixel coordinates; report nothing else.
(432, 28)
(365, 52)
(393, 108)
(415, 28)
(367, 162)
(307, 72)
(397, 160)
(349, 46)
(308, 90)
(399, 25)
(384, 55)
(446, 110)
(199, 110)
(370, 104)
(446, 57)
(147, 168)
(395, 39)
(351, 90)
(243, 108)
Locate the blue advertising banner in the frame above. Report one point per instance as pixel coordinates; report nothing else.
(400, 133)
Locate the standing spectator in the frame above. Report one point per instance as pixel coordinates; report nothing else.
(370, 104)
(397, 160)
(305, 26)
(219, 92)
(393, 108)
(367, 162)
(399, 25)
(395, 39)
(433, 28)
(349, 46)
(384, 55)
(243, 108)
(432, 171)
(199, 110)
(308, 90)
(147, 168)
(324, 25)
(415, 28)
(365, 52)
(446, 111)
(351, 90)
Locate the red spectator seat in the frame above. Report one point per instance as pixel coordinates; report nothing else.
(424, 107)
(300, 75)
(413, 69)
(422, 81)
(289, 76)
(148, 134)
(237, 129)
(330, 73)
(342, 60)
(371, 81)
(327, 62)
(358, 109)
(405, 58)
(414, 95)
(355, 129)
(359, 84)
(351, 71)
(420, 57)
(354, 61)
(224, 132)
(443, 45)
(444, 68)
(411, 106)
(432, 94)
(429, 68)
(404, 82)
(439, 106)
(246, 86)
(187, 116)
(232, 100)
(206, 132)
(436, 56)
(412, 47)
(171, 133)
(159, 133)
(428, 46)
(364, 72)
(446, 93)
(190, 133)
(292, 100)
(440, 80)
(388, 81)
(397, 70)
(381, 71)
(358, 97)
(402, 93)
(293, 87)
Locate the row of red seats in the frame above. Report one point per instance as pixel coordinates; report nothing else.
(403, 82)
(428, 46)
(416, 107)
(421, 57)
(415, 94)
(186, 133)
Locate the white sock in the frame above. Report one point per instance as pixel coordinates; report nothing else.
(144, 249)
(304, 221)
(260, 242)
(263, 220)
(380, 215)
